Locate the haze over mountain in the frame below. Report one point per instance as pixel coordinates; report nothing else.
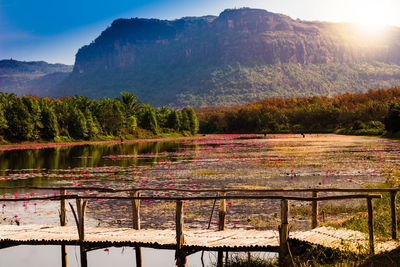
(34, 77)
(240, 56)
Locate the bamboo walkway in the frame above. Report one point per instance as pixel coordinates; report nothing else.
(186, 241)
(195, 239)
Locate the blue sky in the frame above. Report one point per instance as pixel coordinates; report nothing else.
(53, 30)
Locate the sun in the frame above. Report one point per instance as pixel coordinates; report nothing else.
(371, 15)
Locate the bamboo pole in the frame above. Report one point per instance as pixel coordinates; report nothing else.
(180, 253)
(393, 213)
(370, 226)
(136, 224)
(314, 218)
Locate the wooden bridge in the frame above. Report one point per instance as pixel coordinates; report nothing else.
(188, 241)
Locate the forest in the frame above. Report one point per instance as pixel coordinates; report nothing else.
(30, 118)
(375, 112)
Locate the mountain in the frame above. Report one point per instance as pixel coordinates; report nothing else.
(242, 55)
(35, 77)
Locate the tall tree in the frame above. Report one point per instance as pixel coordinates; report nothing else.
(392, 120)
(147, 119)
(77, 124)
(20, 124)
(193, 121)
(50, 129)
(131, 103)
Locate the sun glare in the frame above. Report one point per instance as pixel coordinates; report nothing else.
(371, 16)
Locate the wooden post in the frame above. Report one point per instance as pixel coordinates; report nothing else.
(135, 210)
(180, 254)
(314, 218)
(284, 253)
(220, 258)
(393, 212)
(81, 207)
(221, 225)
(222, 212)
(63, 216)
(370, 225)
(63, 222)
(136, 224)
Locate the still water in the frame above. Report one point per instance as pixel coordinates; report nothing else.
(209, 162)
(50, 256)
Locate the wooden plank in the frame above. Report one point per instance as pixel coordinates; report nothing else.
(229, 239)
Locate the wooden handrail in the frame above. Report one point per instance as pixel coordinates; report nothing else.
(134, 197)
(266, 190)
(59, 197)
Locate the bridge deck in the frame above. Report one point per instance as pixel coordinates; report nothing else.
(233, 239)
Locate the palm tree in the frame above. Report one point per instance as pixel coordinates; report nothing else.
(131, 103)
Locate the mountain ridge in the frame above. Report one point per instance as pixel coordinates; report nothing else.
(240, 56)
(31, 77)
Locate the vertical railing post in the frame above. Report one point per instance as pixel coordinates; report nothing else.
(63, 213)
(284, 253)
(370, 225)
(81, 207)
(393, 212)
(136, 224)
(314, 214)
(180, 253)
(63, 222)
(222, 212)
(221, 225)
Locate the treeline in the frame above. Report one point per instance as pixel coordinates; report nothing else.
(371, 113)
(31, 118)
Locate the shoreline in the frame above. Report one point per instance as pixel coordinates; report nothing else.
(39, 145)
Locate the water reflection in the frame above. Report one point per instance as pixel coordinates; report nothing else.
(50, 256)
(39, 164)
(86, 155)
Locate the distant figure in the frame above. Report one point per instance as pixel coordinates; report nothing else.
(304, 136)
(122, 139)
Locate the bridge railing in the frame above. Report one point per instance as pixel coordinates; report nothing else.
(223, 194)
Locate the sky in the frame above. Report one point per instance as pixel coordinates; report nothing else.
(54, 30)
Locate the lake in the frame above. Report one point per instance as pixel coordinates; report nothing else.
(214, 161)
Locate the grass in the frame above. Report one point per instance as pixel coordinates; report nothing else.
(236, 260)
(381, 211)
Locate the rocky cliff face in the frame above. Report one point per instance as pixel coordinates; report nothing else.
(137, 50)
(243, 35)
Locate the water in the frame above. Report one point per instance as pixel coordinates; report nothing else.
(50, 256)
(209, 162)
